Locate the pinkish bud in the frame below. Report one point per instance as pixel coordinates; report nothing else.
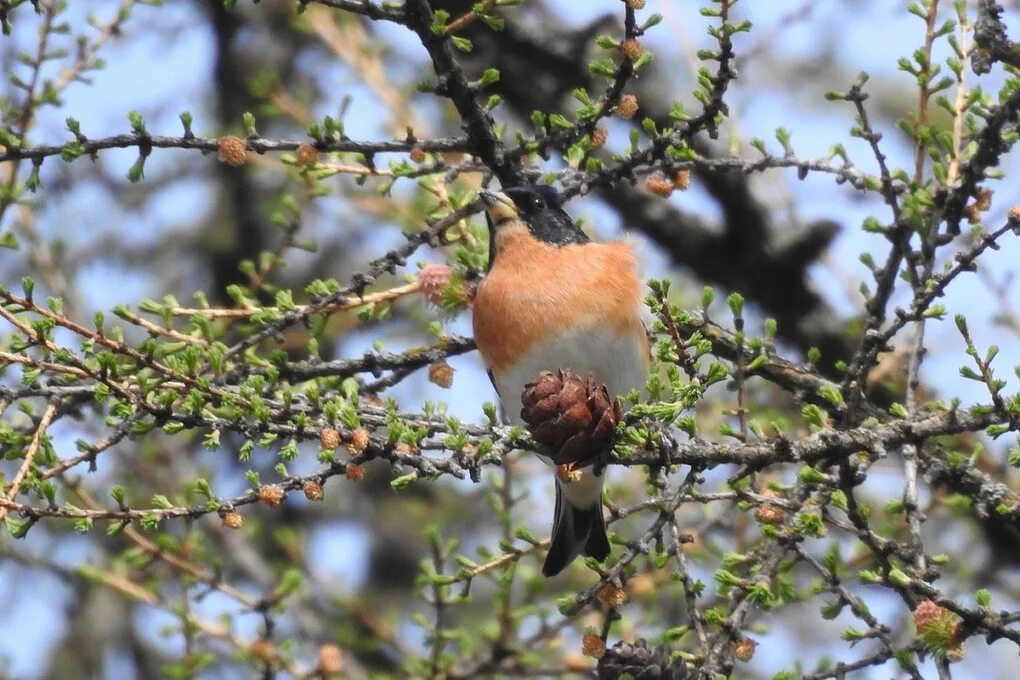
(433, 278)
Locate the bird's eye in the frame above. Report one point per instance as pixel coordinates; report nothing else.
(537, 203)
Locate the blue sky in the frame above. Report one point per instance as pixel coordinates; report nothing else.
(180, 57)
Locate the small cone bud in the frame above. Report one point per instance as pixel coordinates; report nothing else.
(627, 107)
(232, 150)
(313, 491)
(939, 630)
(329, 438)
(682, 179)
(233, 520)
(331, 659)
(1014, 215)
(611, 596)
(270, 495)
(768, 513)
(983, 200)
(594, 646)
(631, 49)
(359, 442)
(743, 649)
(433, 278)
(354, 473)
(441, 374)
(263, 650)
(925, 613)
(307, 155)
(417, 154)
(598, 137)
(659, 185)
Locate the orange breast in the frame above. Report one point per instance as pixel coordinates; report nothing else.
(535, 289)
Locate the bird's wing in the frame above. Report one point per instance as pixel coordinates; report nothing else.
(499, 399)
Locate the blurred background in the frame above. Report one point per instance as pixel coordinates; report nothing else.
(790, 246)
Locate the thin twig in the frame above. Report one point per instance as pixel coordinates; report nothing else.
(26, 464)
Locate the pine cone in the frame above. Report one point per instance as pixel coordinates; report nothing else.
(575, 418)
(641, 663)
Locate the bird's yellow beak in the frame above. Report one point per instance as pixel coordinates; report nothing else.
(499, 206)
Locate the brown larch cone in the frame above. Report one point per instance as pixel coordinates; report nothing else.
(574, 417)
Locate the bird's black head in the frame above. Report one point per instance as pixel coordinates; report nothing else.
(537, 206)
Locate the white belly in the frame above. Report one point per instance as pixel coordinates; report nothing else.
(617, 362)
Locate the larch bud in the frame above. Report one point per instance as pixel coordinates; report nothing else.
(682, 179)
(359, 442)
(631, 49)
(354, 473)
(233, 520)
(329, 438)
(636, 4)
(594, 646)
(433, 278)
(331, 659)
(939, 630)
(313, 491)
(659, 185)
(598, 137)
(627, 107)
(926, 612)
(264, 650)
(232, 150)
(768, 513)
(1014, 215)
(983, 199)
(982, 202)
(417, 154)
(611, 596)
(271, 495)
(403, 448)
(441, 374)
(307, 155)
(743, 649)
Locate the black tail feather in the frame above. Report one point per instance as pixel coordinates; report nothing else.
(597, 545)
(575, 531)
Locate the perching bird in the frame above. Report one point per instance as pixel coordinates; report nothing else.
(553, 299)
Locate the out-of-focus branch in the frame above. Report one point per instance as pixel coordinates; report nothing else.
(26, 464)
(90, 146)
(453, 83)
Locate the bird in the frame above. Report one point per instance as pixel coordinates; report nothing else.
(554, 299)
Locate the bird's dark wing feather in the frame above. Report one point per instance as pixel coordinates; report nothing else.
(502, 410)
